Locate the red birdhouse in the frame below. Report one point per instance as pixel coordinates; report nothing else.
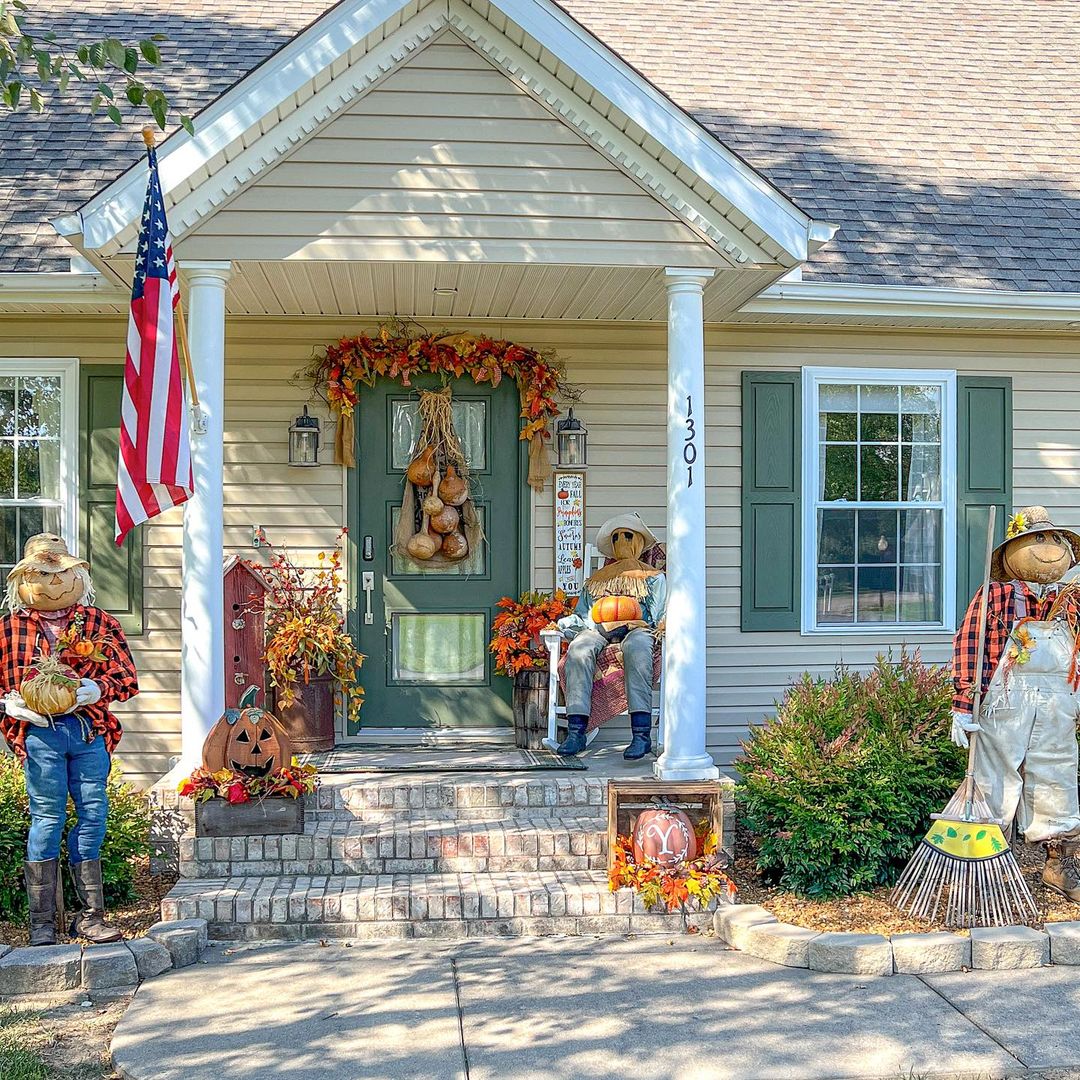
(245, 590)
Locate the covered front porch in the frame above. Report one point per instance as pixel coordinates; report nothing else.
(483, 168)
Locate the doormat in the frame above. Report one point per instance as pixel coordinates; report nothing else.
(407, 759)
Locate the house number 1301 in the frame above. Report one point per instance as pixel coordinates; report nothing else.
(690, 446)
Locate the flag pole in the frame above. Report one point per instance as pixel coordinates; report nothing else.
(197, 420)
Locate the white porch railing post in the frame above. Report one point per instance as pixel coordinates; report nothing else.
(684, 755)
(202, 616)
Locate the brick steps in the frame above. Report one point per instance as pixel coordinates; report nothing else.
(372, 797)
(290, 908)
(428, 844)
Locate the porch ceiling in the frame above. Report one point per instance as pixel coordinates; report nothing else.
(473, 290)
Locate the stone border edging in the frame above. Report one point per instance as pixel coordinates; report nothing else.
(121, 964)
(757, 932)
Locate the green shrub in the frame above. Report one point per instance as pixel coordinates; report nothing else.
(839, 788)
(127, 838)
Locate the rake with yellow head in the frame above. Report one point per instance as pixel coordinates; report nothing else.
(964, 868)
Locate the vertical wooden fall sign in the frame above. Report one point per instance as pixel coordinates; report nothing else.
(569, 530)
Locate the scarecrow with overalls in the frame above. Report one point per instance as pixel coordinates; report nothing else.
(623, 602)
(1026, 764)
(51, 613)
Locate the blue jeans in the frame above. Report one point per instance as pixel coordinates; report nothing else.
(60, 762)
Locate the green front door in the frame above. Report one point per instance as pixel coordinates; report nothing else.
(425, 630)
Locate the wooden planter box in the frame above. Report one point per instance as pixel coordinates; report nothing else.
(627, 798)
(530, 705)
(260, 817)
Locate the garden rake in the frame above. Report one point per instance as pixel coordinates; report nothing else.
(964, 864)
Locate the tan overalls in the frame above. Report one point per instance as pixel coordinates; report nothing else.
(1026, 758)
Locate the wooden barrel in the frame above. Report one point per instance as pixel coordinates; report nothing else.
(530, 708)
(309, 720)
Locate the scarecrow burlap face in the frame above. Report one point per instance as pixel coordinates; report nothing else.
(48, 577)
(1035, 549)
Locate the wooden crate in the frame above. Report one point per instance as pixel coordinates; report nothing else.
(698, 798)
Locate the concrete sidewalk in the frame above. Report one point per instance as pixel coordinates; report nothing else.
(651, 1009)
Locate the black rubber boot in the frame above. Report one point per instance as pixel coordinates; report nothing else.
(574, 742)
(90, 922)
(41, 892)
(641, 743)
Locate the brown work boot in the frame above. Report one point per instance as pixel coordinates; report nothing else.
(1061, 872)
(41, 892)
(90, 922)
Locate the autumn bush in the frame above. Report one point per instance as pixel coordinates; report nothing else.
(127, 838)
(839, 788)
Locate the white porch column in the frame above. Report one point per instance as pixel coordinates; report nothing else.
(684, 756)
(202, 616)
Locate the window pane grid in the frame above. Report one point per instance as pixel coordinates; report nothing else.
(879, 503)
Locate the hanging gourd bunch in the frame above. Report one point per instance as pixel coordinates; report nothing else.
(437, 487)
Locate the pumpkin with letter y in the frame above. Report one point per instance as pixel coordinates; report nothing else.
(248, 740)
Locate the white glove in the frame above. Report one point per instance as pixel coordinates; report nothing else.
(89, 693)
(962, 725)
(16, 708)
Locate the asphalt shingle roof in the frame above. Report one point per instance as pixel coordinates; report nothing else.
(942, 136)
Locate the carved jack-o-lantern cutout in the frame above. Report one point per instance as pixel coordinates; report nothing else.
(248, 740)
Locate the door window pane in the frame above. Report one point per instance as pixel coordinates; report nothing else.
(879, 444)
(470, 423)
(472, 564)
(439, 648)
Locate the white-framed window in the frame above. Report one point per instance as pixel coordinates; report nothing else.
(39, 446)
(879, 500)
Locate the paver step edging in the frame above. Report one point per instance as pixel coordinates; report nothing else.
(46, 969)
(751, 929)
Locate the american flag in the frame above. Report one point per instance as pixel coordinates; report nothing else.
(155, 448)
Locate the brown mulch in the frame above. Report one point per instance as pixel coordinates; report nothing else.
(871, 912)
(133, 918)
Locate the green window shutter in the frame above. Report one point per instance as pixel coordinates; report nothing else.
(771, 500)
(984, 466)
(117, 572)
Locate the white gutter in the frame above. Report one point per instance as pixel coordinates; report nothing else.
(914, 302)
(59, 288)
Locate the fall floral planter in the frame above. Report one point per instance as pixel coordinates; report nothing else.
(271, 816)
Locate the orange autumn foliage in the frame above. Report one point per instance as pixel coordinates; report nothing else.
(698, 883)
(515, 633)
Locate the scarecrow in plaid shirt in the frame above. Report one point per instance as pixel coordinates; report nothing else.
(51, 612)
(1026, 763)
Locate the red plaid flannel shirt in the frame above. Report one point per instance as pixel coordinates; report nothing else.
(1001, 617)
(22, 638)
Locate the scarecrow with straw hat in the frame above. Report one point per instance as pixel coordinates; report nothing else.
(1026, 766)
(623, 602)
(51, 617)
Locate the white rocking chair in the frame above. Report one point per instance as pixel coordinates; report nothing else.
(552, 640)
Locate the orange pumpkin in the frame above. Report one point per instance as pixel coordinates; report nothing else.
(615, 609)
(664, 836)
(247, 740)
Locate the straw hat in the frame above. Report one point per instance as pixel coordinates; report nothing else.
(47, 554)
(623, 521)
(1029, 519)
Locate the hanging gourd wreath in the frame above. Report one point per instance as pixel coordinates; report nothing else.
(394, 353)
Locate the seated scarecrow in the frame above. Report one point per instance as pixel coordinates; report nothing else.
(618, 621)
(71, 661)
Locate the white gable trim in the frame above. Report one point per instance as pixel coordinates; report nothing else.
(331, 63)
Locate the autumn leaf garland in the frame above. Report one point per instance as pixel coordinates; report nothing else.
(392, 353)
